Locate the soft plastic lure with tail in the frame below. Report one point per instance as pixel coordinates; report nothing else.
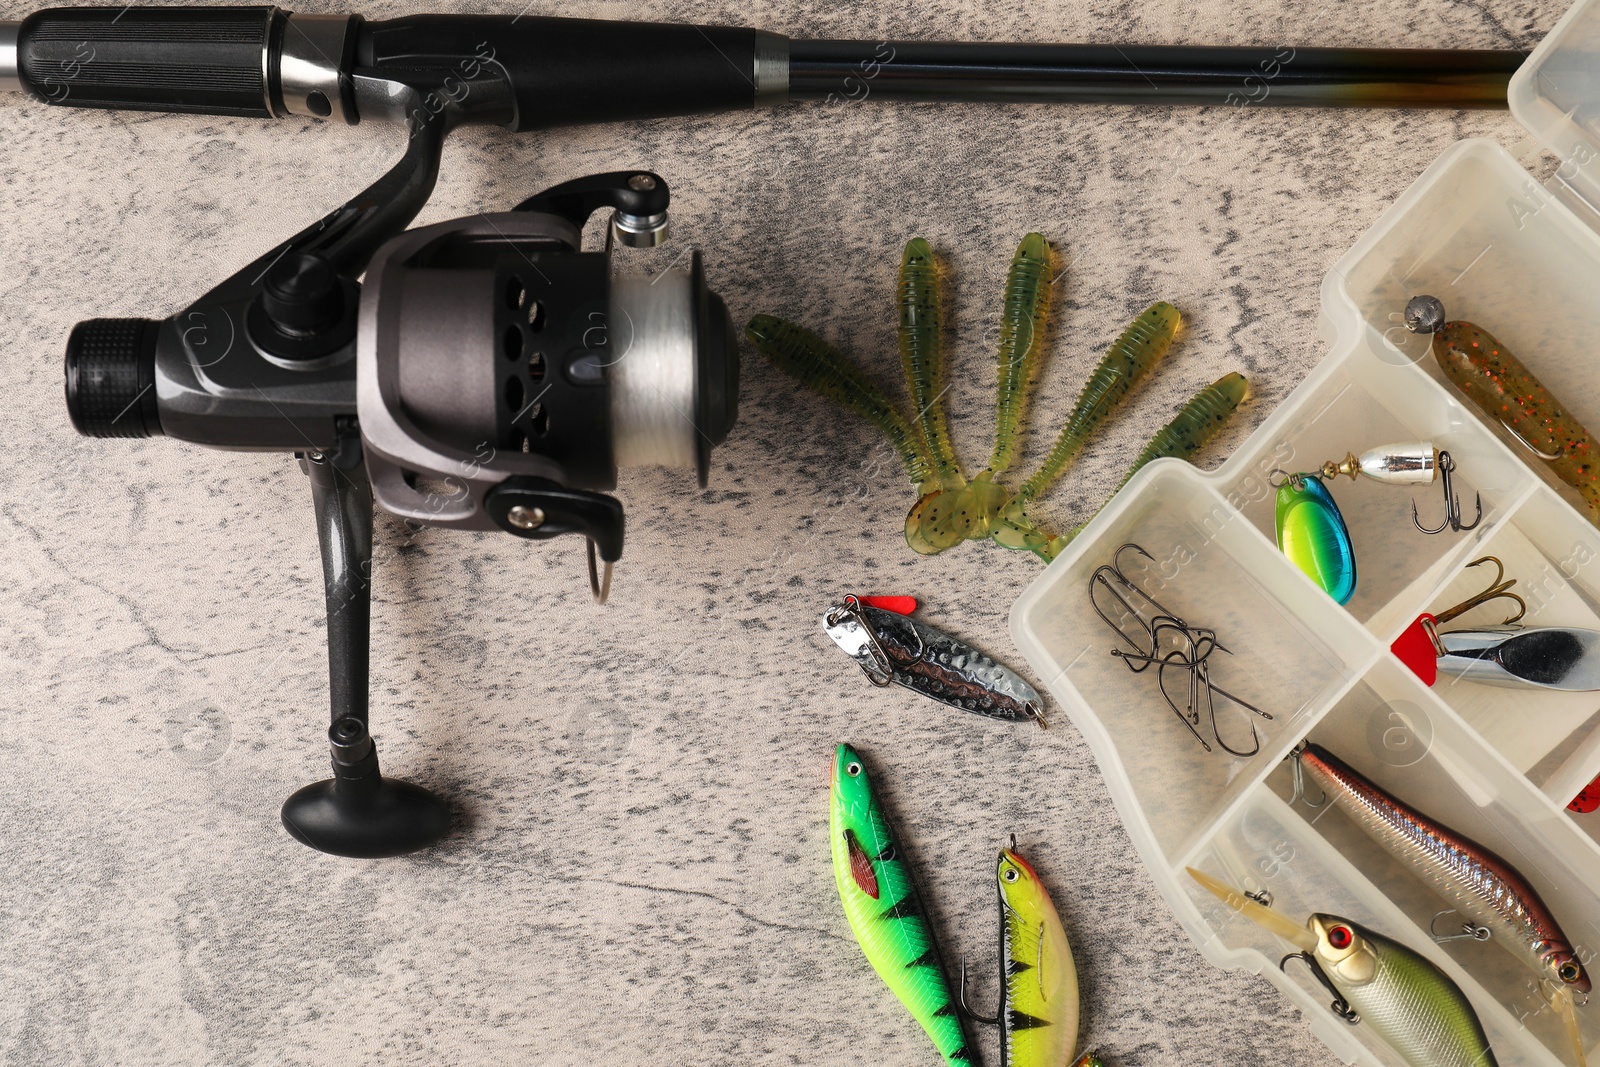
(1038, 1014)
(1023, 319)
(1377, 982)
(1508, 393)
(1200, 419)
(1131, 357)
(884, 910)
(815, 363)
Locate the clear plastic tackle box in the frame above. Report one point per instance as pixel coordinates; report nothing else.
(1520, 258)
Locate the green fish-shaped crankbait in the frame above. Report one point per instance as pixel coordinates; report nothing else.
(885, 913)
(1038, 1016)
(1313, 535)
(1405, 1000)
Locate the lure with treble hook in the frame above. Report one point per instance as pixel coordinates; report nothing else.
(1409, 463)
(1509, 393)
(1038, 1012)
(1312, 534)
(884, 910)
(892, 648)
(1407, 1001)
(1478, 883)
(1564, 658)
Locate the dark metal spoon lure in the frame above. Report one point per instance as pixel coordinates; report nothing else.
(894, 649)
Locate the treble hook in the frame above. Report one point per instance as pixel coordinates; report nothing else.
(1452, 503)
(1469, 931)
(1298, 776)
(1499, 589)
(1340, 1006)
(961, 996)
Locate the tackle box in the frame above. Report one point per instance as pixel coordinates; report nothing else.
(1520, 258)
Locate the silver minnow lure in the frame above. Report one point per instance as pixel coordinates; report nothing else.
(1545, 657)
(1480, 884)
(894, 648)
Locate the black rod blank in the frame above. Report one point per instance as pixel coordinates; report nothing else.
(1150, 74)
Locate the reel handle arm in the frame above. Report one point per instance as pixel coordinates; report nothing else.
(343, 499)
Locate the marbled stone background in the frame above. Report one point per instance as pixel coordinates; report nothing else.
(641, 870)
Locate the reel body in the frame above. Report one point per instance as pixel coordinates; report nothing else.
(485, 373)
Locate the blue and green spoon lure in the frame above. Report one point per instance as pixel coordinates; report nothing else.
(1313, 535)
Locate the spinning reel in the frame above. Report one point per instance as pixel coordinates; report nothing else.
(485, 374)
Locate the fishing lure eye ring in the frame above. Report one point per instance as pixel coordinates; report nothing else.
(1280, 477)
(1570, 972)
(1010, 875)
(853, 769)
(1340, 937)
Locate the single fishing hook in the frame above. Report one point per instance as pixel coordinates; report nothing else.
(961, 996)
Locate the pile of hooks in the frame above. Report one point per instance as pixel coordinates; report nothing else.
(1150, 635)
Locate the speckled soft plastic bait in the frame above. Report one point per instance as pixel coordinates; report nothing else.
(1509, 393)
(1038, 1015)
(1023, 318)
(892, 648)
(1479, 884)
(884, 911)
(1200, 419)
(1377, 982)
(800, 353)
(1126, 363)
(1313, 535)
(922, 352)
(948, 508)
(1022, 328)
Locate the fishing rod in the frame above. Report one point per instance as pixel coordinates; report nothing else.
(527, 72)
(490, 373)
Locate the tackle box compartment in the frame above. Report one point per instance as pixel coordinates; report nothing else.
(1522, 259)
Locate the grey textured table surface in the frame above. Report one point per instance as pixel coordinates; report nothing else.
(640, 873)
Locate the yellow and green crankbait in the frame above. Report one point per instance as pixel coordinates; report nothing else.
(1378, 982)
(884, 910)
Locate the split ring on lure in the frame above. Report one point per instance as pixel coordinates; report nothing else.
(884, 910)
(1401, 996)
(1507, 392)
(894, 649)
(1313, 535)
(1038, 1012)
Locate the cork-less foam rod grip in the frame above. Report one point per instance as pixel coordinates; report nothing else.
(206, 60)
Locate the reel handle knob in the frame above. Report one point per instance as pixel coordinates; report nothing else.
(358, 812)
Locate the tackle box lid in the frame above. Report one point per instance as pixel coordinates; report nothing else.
(1555, 96)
